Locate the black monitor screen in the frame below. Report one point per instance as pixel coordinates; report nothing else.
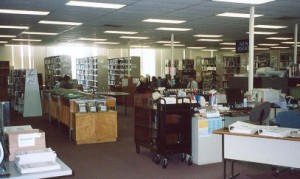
(234, 96)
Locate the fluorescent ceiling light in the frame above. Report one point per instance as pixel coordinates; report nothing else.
(210, 40)
(60, 23)
(239, 15)
(209, 50)
(270, 26)
(228, 48)
(120, 32)
(3, 42)
(139, 46)
(95, 5)
(28, 40)
(279, 38)
(263, 33)
(13, 27)
(166, 21)
(196, 47)
(246, 1)
(261, 49)
(173, 29)
(91, 39)
(227, 43)
(268, 45)
(108, 43)
(208, 36)
(39, 33)
(292, 43)
(280, 47)
(133, 37)
(72, 44)
(165, 42)
(24, 12)
(175, 45)
(7, 36)
(16, 45)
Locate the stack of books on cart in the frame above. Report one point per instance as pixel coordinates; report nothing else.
(271, 131)
(39, 160)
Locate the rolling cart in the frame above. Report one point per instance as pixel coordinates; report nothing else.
(173, 131)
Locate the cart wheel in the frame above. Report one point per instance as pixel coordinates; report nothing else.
(190, 161)
(156, 159)
(183, 156)
(165, 163)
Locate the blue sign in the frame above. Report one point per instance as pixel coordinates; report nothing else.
(242, 46)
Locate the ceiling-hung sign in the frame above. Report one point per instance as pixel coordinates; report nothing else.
(242, 46)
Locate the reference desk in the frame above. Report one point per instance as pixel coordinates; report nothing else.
(13, 173)
(259, 149)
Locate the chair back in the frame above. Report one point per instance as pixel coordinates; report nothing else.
(290, 119)
(260, 112)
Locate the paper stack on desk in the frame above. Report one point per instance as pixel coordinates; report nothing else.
(246, 128)
(276, 132)
(36, 161)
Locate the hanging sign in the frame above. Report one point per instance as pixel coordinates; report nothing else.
(242, 46)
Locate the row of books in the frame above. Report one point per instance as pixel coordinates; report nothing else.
(96, 105)
(271, 131)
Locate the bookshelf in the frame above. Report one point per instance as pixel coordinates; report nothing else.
(285, 61)
(261, 60)
(188, 70)
(4, 73)
(25, 93)
(208, 67)
(122, 68)
(231, 66)
(56, 66)
(91, 72)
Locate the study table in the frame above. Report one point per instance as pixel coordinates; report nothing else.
(116, 94)
(258, 149)
(12, 172)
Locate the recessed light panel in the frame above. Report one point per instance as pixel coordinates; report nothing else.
(27, 40)
(13, 27)
(270, 26)
(290, 43)
(120, 32)
(91, 39)
(261, 49)
(280, 47)
(209, 50)
(239, 15)
(208, 36)
(227, 43)
(24, 12)
(108, 43)
(3, 42)
(60, 23)
(39, 33)
(139, 46)
(166, 42)
(245, 1)
(210, 40)
(196, 47)
(166, 21)
(7, 36)
(95, 5)
(134, 37)
(270, 45)
(263, 33)
(173, 29)
(228, 48)
(175, 45)
(279, 38)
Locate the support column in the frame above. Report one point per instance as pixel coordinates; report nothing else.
(251, 49)
(172, 54)
(295, 44)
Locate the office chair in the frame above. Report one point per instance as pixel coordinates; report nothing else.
(259, 113)
(290, 119)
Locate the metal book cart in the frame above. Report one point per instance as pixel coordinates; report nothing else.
(173, 131)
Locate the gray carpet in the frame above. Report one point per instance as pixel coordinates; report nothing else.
(119, 159)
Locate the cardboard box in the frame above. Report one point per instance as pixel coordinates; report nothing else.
(24, 140)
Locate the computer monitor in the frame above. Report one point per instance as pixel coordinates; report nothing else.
(295, 92)
(234, 96)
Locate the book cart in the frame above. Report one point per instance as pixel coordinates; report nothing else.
(174, 131)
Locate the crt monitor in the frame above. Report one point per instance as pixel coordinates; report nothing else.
(234, 96)
(295, 92)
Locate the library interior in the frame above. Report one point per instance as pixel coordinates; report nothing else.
(147, 89)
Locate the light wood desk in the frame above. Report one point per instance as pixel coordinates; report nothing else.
(13, 173)
(259, 149)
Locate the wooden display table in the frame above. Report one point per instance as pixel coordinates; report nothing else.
(95, 127)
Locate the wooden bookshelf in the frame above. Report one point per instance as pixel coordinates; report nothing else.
(231, 66)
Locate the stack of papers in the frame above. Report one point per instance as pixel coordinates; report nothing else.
(277, 132)
(246, 128)
(36, 161)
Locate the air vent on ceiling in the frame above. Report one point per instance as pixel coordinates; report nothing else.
(286, 18)
(112, 26)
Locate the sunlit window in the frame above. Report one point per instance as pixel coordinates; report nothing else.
(148, 65)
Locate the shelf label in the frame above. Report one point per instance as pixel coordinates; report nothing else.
(26, 140)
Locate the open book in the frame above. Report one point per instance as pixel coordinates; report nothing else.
(246, 128)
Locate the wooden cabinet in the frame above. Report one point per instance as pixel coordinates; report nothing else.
(95, 127)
